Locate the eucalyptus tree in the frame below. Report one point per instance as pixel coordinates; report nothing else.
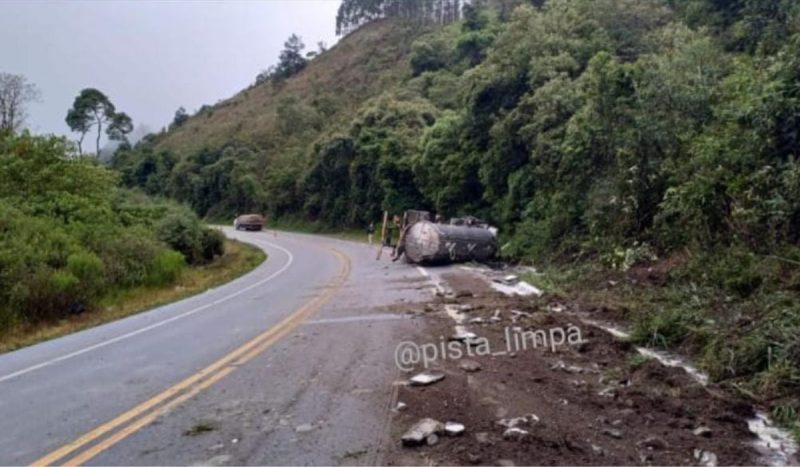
(91, 109)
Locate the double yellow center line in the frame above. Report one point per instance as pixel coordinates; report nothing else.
(112, 432)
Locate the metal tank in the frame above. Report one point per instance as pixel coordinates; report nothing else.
(429, 243)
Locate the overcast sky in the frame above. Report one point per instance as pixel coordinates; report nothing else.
(150, 57)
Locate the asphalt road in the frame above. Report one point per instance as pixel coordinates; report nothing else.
(290, 364)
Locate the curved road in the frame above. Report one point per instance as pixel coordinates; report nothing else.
(289, 364)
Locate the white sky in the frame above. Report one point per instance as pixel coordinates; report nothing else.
(148, 56)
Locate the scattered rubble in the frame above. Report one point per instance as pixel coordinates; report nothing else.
(705, 458)
(521, 288)
(703, 431)
(560, 365)
(474, 458)
(482, 438)
(515, 434)
(510, 279)
(525, 420)
(653, 442)
(304, 428)
(657, 404)
(421, 431)
(454, 429)
(613, 432)
(462, 335)
(470, 366)
(426, 378)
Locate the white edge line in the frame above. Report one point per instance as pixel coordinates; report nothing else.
(155, 325)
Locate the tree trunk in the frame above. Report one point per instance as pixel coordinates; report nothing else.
(99, 134)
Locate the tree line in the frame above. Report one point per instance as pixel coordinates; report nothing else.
(352, 14)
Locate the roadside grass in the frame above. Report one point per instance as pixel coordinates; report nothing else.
(238, 259)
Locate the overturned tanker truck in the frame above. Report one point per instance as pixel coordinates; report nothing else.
(463, 239)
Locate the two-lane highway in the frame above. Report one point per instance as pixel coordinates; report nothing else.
(291, 363)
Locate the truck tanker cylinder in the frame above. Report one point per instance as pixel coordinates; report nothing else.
(430, 243)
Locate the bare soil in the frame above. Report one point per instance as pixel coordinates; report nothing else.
(597, 402)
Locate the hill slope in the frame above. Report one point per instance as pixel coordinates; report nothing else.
(323, 95)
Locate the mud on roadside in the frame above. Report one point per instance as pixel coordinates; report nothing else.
(596, 403)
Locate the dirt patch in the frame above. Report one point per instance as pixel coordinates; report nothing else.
(596, 403)
(467, 285)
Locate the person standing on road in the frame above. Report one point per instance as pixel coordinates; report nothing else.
(370, 232)
(394, 226)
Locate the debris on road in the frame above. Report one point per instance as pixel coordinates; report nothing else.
(525, 420)
(454, 429)
(613, 432)
(463, 335)
(705, 458)
(653, 442)
(304, 428)
(515, 434)
(703, 431)
(420, 431)
(426, 378)
(521, 288)
(470, 366)
(592, 405)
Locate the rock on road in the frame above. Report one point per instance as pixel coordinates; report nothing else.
(289, 364)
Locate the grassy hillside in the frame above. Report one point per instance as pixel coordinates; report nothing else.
(320, 98)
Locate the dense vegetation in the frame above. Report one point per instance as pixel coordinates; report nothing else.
(70, 236)
(617, 131)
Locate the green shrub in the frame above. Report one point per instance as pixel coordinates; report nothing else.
(127, 256)
(88, 269)
(428, 56)
(68, 234)
(166, 268)
(8, 319)
(213, 244)
(182, 232)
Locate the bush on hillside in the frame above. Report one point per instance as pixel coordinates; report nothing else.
(213, 244)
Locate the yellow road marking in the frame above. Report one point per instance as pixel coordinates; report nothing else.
(214, 372)
(146, 420)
